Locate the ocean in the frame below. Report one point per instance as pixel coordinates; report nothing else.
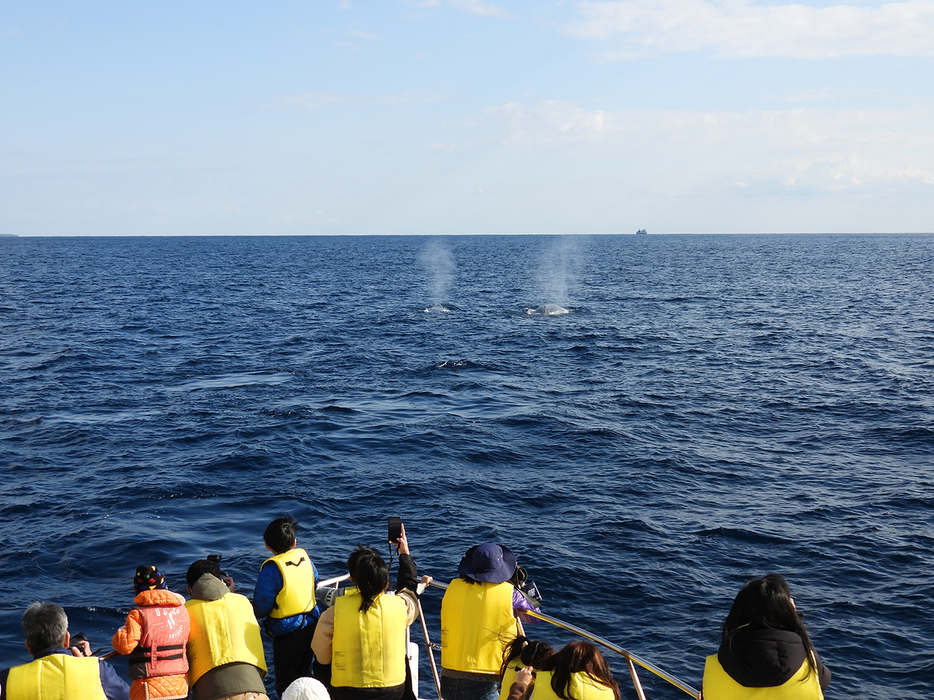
(711, 408)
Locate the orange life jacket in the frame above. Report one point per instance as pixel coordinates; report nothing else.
(161, 648)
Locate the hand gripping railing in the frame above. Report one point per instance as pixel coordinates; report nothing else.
(631, 659)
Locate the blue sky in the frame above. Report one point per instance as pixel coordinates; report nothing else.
(463, 116)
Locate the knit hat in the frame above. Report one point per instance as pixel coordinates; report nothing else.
(489, 562)
(147, 578)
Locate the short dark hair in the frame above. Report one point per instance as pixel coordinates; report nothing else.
(202, 567)
(280, 534)
(45, 625)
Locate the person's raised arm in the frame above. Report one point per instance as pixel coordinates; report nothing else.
(408, 573)
(402, 543)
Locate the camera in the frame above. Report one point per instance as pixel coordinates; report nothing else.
(76, 642)
(216, 559)
(526, 587)
(530, 591)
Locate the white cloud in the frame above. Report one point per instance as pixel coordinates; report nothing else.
(815, 149)
(361, 35)
(549, 120)
(740, 28)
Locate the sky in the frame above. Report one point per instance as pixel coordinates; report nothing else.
(466, 116)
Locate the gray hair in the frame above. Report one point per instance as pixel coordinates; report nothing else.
(45, 626)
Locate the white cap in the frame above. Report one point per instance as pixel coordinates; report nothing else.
(306, 689)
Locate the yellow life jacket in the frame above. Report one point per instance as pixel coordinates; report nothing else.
(56, 677)
(368, 649)
(223, 631)
(477, 624)
(580, 687)
(297, 595)
(509, 677)
(719, 685)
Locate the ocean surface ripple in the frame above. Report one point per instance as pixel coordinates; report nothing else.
(709, 409)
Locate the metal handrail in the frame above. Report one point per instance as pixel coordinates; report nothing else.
(678, 683)
(332, 581)
(630, 658)
(431, 654)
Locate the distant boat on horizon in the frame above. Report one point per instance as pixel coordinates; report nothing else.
(641, 232)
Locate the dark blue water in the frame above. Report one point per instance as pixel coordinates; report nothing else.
(712, 408)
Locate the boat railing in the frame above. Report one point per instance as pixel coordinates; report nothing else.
(332, 582)
(631, 659)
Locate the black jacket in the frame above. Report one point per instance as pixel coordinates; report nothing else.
(408, 574)
(764, 658)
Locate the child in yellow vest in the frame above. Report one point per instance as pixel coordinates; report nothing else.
(285, 596)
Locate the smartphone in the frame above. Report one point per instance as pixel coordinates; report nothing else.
(395, 529)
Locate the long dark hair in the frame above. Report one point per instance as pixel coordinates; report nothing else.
(531, 652)
(578, 657)
(765, 603)
(370, 574)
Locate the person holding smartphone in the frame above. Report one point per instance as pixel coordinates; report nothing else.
(363, 636)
